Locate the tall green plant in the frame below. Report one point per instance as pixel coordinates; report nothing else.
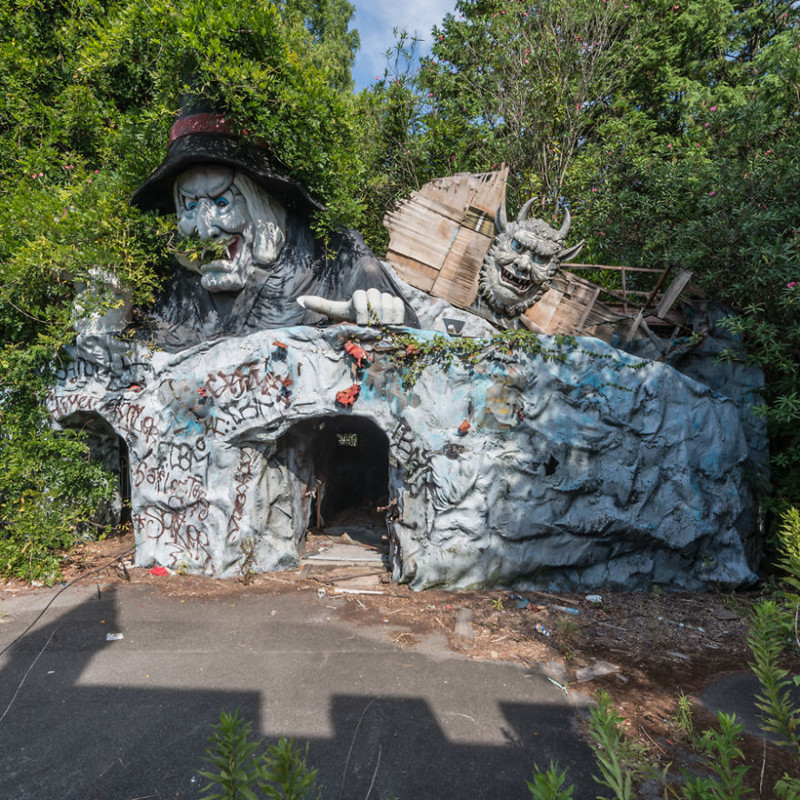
(242, 773)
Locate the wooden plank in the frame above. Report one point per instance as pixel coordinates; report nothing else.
(564, 309)
(414, 272)
(423, 237)
(673, 292)
(542, 312)
(574, 265)
(457, 281)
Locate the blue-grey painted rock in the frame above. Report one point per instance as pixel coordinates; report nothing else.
(579, 466)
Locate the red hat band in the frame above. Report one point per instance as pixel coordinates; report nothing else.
(203, 122)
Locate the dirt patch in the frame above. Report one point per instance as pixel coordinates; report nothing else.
(659, 643)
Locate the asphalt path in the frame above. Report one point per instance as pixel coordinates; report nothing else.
(86, 716)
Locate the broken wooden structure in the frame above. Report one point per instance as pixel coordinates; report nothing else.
(441, 234)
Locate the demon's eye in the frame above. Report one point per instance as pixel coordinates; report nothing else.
(517, 246)
(191, 205)
(221, 202)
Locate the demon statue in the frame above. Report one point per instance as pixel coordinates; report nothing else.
(521, 263)
(248, 253)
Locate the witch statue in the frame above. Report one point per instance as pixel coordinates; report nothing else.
(259, 264)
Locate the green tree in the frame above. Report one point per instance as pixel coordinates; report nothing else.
(90, 89)
(668, 129)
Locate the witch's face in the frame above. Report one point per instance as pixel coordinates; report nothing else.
(210, 207)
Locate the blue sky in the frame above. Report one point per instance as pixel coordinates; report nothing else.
(375, 19)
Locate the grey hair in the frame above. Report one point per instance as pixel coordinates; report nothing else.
(269, 219)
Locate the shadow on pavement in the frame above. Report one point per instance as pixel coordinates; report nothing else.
(64, 740)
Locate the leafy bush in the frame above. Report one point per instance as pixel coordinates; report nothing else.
(90, 90)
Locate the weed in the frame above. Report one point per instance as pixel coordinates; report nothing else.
(789, 547)
(683, 720)
(248, 561)
(497, 604)
(619, 761)
(770, 627)
(549, 785)
(567, 629)
(722, 748)
(280, 773)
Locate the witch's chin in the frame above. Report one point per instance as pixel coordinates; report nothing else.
(220, 280)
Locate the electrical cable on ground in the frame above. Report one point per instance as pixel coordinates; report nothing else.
(65, 586)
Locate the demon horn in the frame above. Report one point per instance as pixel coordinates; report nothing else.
(501, 219)
(562, 234)
(523, 212)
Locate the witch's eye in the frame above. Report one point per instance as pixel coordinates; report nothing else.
(221, 202)
(517, 246)
(191, 205)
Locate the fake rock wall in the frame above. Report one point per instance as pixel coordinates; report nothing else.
(583, 467)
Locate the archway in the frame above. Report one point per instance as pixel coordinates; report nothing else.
(343, 461)
(110, 449)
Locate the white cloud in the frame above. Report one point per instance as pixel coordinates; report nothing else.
(375, 21)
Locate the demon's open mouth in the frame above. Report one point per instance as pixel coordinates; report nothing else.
(518, 282)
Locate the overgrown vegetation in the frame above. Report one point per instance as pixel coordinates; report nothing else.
(669, 130)
(90, 90)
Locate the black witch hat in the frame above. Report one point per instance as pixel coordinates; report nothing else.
(201, 135)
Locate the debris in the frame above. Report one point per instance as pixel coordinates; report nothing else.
(541, 629)
(277, 343)
(556, 683)
(463, 428)
(320, 593)
(522, 603)
(360, 355)
(158, 571)
(726, 614)
(342, 590)
(682, 624)
(347, 397)
(114, 637)
(675, 654)
(565, 609)
(594, 599)
(464, 623)
(596, 670)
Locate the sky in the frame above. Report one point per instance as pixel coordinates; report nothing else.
(375, 20)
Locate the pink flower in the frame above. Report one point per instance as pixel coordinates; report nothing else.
(791, 285)
(708, 124)
(711, 194)
(594, 189)
(768, 152)
(41, 174)
(669, 146)
(713, 108)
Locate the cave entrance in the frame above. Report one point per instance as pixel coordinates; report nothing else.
(347, 461)
(111, 450)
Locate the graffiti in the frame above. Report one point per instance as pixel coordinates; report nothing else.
(415, 460)
(186, 541)
(250, 378)
(186, 457)
(242, 478)
(65, 405)
(77, 370)
(131, 417)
